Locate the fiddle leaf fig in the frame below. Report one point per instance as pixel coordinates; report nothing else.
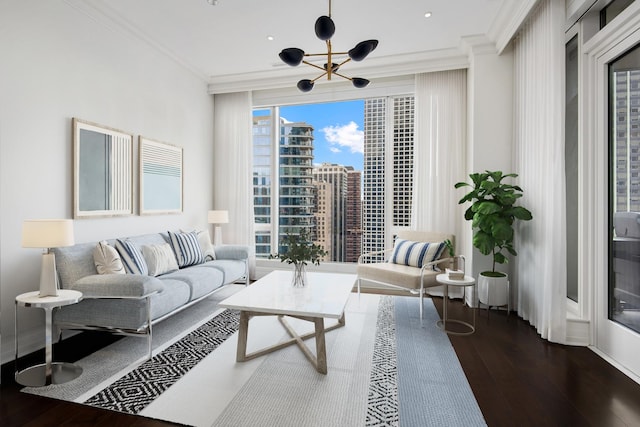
(493, 213)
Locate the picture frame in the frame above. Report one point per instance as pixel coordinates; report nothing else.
(102, 170)
(160, 177)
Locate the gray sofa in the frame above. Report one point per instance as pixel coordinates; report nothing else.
(130, 304)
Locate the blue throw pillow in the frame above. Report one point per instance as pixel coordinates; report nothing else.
(186, 248)
(416, 254)
(131, 257)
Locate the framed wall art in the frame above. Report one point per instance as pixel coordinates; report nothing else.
(161, 183)
(102, 171)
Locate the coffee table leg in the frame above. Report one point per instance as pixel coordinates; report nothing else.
(321, 350)
(243, 329)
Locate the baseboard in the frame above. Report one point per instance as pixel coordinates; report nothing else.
(616, 365)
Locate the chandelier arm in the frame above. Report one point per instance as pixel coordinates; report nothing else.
(314, 65)
(344, 62)
(343, 76)
(319, 77)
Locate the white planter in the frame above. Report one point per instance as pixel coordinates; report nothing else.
(493, 291)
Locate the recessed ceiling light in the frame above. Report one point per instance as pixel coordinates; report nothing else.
(270, 38)
(427, 14)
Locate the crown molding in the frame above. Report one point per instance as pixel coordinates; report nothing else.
(512, 15)
(99, 11)
(381, 67)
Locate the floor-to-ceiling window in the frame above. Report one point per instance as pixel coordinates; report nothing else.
(347, 183)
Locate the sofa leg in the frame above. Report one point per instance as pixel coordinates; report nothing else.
(421, 301)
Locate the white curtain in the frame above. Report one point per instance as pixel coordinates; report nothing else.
(439, 150)
(439, 153)
(539, 281)
(233, 156)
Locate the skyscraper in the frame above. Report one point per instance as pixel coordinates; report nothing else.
(336, 177)
(295, 198)
(375, 211)
(353, 239)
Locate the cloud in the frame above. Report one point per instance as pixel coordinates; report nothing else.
(345, 136)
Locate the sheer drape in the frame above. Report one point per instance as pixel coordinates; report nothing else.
(233, 188)
(439, 152)
(539, 281)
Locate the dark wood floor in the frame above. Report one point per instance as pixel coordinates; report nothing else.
(517, 378)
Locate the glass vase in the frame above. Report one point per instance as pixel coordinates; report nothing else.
(299, 275)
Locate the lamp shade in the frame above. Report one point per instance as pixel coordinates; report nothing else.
(292, 56)
(325, 28)
(305, 85)
(362, 49)
(359, 82)
(47, 233)
(218, 217)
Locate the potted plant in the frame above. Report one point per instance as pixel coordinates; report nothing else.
(300, 251)
(493, 213)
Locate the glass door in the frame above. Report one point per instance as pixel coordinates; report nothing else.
(624, 145)
(619, 334)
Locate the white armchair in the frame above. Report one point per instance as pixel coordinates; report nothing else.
(406, 277)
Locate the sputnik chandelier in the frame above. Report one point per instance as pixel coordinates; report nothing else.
(324, 31)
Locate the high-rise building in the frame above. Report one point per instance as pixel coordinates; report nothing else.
(353, 240)
(627, 137)
(336, 177)
(323, 202)
(295, 198)
(374, 209)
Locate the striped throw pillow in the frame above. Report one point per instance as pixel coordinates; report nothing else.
(416, 254)
(186, 248)
(131, 257)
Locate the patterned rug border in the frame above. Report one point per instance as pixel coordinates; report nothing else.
(136, 390)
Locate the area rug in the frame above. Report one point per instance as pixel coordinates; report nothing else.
(386, 367)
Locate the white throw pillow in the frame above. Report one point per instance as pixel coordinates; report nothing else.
(160, 259)
(107, 259)
(204, 239)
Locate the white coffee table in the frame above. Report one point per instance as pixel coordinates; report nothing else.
(324, 296)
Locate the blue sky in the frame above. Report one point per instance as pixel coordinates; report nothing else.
(338, 130)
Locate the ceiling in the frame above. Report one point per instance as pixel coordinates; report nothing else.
(229, 40)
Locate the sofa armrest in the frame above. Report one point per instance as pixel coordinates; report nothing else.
(117, 286)
(239, 252)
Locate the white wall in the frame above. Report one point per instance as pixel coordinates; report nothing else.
(490, 132)
(56, 62)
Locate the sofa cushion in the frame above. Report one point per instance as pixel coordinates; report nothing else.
(416, 254)
(232, 269)
(201, 280)
(107, 259)
(159, 258)
(131, 257)
(117, 285)
(186, 248)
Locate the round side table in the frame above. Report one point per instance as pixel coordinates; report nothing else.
(49, 372)
(443, 279)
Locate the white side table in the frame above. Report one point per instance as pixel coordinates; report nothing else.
(49, 372)
(442, 324)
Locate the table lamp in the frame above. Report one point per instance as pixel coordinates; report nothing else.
(47, 234)
(217, 218)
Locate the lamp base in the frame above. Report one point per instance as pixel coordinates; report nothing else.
(48, 276)
(217, 235)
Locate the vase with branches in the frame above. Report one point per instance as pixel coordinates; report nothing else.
(300, 251)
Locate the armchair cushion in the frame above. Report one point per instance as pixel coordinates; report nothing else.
(416, 254)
